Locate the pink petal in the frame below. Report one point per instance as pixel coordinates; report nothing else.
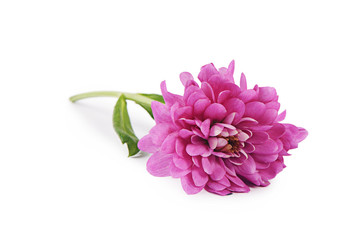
(254, 110)
(201, 105)
(215, 111)
(248, 95)
(176, 172)
(197, 140)
(184, 133)
(180, 147)
(223, 96)
(208, 91)
(281, 116)
(221, 142)
(265, 158)
(170, 98)
(160, 131)
(205, 127)
(216, 130)
(248, 166)
(242, 136)
(267, 94)
(269, 116)
(208, 164)
(199, 177)
(159, 164)
(248, 148)
(168, 145)
(218, 172)
(194, 97)
(235, 105)
(185, 77)
(197, 149)
(272, 170)
(160, 112)
(212, 142)
(276, 131)
(181, 163)
(215, 186)
(243, 85)
(146, 144)
(189, 186)
(268, 147)
(258, 137)
(206, 72)
(197, 160)
(229, 118)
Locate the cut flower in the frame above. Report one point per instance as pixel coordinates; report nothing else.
(219, 136)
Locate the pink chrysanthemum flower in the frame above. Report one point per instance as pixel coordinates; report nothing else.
(219, 137)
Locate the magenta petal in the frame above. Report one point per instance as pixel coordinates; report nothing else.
(199, 177)
(205, 127)
(216, 130)
(254, 110)
(258, 137)
(208, 164)
(223, 192)
(146, 144)
(276, 131)
(235, 105)
(197, 140)
(248, 95)
(181, 162)
(170, 98)
(269, 116)
(218, 172)
(268, 147)
(267, 94)
(223, 96)
(176, 172)
(221, 142)
(180, 147)
(243, 85)
(159, 164)
(185, 77)
(168, 145)
(215, 111)
(206, 72)
(229, 118)
(212, 142)
(160, 112)
(248, 148)
(196, 160)
(215, 186)
(302, 134)
(281, 116)
(194, 97)
(248, 166)
(237, 181)
(272, 170)
(208, 91)
(197, 149)
(201, 105)
(265, 158)
(184, 133)
(188, 185)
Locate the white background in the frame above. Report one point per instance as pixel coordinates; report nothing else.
(64, 174)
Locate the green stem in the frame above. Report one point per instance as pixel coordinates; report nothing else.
(130, 96)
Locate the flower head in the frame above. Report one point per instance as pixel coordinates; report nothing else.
(218, 136)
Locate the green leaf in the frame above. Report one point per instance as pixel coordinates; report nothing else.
(156, 97)
(144, 100)
(122, 125)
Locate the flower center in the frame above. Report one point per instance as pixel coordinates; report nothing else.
(233, 145)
